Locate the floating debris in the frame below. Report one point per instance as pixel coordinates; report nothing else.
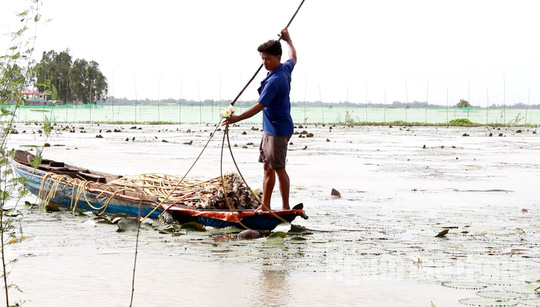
(442, 233)
(193, 226)
(16, 240)
(52, 207)
(335, 193)
(100, 219)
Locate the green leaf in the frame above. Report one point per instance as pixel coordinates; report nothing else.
(23, 13)
(47, 126)
(279, 234)
(21, 31)
(4, 195)
(37, 160)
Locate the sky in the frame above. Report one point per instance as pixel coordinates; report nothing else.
(348, 50)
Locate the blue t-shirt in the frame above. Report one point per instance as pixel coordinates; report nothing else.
(274, 94)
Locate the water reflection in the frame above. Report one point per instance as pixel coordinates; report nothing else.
(273, 288)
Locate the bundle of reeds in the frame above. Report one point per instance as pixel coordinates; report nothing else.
(229, 192)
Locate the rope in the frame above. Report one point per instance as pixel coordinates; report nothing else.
(51, 182)
(52, 186)
(189, 170)
(240, 173)
(226, 132)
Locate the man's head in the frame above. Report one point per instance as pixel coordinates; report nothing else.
(271, 54)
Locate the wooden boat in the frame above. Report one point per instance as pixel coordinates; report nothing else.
(82, 189)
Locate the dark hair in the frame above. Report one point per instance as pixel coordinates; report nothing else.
(272, 47)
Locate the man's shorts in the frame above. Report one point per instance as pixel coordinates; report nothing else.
(273, 150)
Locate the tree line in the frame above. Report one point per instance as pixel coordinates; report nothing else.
(111, 100)
(68, 80)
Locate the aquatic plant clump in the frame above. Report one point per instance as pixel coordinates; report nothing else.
(229, 192)
(460, 122)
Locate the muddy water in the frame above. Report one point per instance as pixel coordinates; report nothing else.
(375, 245)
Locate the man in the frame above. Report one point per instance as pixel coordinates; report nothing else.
(278, 126)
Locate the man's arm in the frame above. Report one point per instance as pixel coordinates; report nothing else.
(287, 38)
(254, 109)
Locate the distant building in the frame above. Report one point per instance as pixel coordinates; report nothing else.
(35, 98)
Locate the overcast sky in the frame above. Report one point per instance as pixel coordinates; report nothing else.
(353, 50)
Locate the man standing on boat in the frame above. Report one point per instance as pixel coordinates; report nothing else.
(278, 126)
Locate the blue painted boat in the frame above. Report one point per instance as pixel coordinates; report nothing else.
(82, 189)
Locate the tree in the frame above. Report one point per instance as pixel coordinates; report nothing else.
(463, 104)
(63, 64)
(77, 74)
(52, 73)
(71, 81)
(87, 83)
(96, 82)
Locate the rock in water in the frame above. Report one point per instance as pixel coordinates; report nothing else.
(127, 224)
(249, 234)
(335, 193)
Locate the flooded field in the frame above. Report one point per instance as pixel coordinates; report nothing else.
(443, 216)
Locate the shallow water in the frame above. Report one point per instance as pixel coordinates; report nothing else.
(376, 245)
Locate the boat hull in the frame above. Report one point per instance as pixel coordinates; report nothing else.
(68, 186)
(248, 219)
(91, 200)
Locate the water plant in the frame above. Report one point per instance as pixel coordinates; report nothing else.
(516, 120)
(15, 71)
(460, 122)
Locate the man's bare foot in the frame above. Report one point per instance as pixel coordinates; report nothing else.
(285, 208)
